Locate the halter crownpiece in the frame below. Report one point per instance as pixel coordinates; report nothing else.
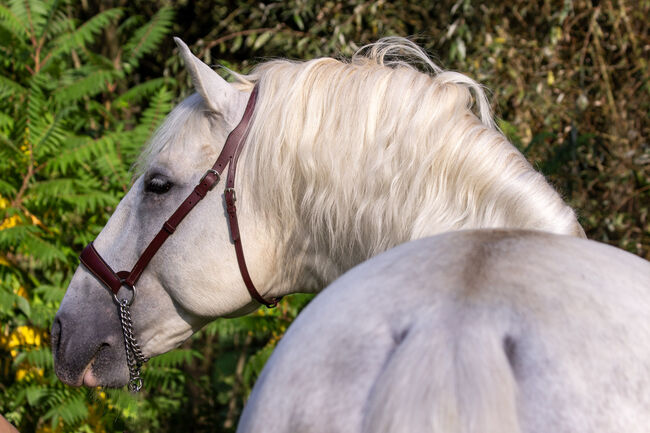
(93, 261)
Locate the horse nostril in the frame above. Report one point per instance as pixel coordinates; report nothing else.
(56, 333)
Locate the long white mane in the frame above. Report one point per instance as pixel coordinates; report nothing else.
(357, 157)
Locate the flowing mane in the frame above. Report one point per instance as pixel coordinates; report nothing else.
(359, 156)
(403, 147)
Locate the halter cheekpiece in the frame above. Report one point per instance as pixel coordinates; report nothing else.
(115, 280)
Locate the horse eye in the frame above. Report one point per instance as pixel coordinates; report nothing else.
(158, 185)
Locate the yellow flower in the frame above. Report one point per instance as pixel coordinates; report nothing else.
(22, 336)
(22, 373)
(10, 222)
(20, 291)
(550, 78)
(13, 221)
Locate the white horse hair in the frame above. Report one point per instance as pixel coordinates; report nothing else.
(343, 160)
(485, 331)
(362, 156)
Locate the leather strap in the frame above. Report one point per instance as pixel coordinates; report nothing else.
(99, 268)
(228, 156)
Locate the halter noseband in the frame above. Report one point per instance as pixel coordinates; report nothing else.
(115, 280)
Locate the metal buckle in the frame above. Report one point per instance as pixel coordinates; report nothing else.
(234, 194)
(210, 170)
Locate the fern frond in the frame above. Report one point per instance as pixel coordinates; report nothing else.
(82, 149)
(91, 201)
(6, 188)
(48, 10)
(130, 23)
(83, 35)
(52, 138)
(227, 329)
(40, 249)
(6, 121)
(12, 22)
(7, 301)
(71, 410)
(60, 23)
(36, 124)
(50, 293)
(153, 116)
(147, 38)
(256, 362)
(36, 16)
(10, 88)
(138, 93)
(40, 357)
(92, 83)
(175, 358)
(52, 189)
(12, 237)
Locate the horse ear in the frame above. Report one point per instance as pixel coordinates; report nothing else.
(216, 92)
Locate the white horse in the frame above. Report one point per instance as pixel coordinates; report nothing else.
(342, 161)
(482, 331)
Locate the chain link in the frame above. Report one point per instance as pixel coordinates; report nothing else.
(134, 357)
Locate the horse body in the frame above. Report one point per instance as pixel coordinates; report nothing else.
(342, 161)
(473, 331)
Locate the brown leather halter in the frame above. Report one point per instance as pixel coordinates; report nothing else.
(228, 156)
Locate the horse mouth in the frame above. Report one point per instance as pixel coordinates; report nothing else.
(91, 375)
(88, 378)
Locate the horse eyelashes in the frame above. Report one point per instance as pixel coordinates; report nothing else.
(158, 185)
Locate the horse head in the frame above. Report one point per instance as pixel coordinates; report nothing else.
(194, 277)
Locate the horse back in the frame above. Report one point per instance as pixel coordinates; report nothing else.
(465, 332)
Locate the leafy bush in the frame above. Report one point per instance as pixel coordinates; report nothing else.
(71, 123)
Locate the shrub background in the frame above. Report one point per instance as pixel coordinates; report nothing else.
(84, 84)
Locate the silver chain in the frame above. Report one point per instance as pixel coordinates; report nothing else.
(134, 356)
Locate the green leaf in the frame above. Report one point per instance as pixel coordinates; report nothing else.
(23, 305)
(261, 40)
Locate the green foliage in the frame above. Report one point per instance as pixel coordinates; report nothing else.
(81, 91)
(70, 128)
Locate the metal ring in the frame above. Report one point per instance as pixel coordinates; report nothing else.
(125, 302)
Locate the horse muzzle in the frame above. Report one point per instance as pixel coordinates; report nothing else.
(89, 355)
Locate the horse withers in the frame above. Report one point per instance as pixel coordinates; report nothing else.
(484, 331)
(340, 160)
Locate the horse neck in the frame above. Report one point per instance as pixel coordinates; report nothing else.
(474, 179)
